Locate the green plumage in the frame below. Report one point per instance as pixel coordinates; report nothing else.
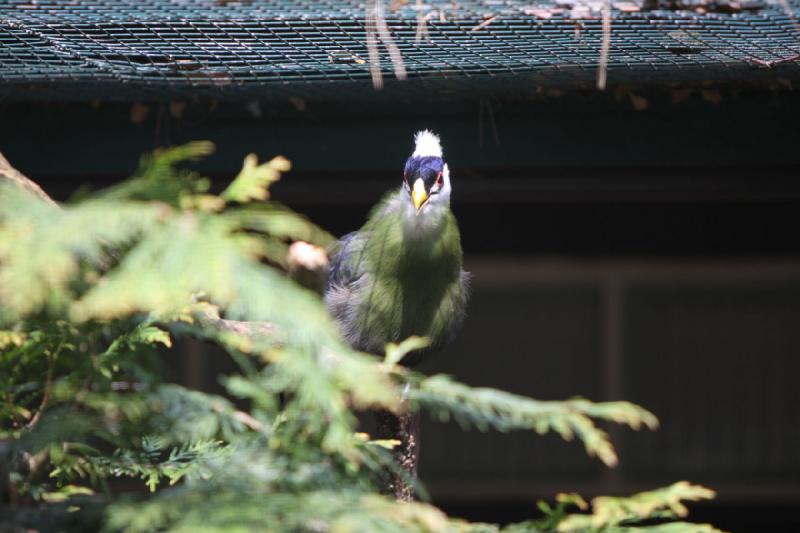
(399, 275)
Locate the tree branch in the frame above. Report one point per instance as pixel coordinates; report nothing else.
(403, 427)
(7, 172)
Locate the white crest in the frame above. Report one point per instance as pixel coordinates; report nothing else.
(426, 144)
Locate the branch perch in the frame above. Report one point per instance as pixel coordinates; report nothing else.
(13, 175)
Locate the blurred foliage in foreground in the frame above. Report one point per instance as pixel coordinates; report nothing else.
(94, 292)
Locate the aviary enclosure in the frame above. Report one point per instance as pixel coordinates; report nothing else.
(186, 344)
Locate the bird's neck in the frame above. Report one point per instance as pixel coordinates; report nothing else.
(425, 223)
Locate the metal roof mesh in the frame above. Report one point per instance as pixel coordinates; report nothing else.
(156, 49)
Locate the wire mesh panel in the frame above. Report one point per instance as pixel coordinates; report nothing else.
(135, 49)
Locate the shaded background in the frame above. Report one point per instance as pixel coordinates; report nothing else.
(647, 255)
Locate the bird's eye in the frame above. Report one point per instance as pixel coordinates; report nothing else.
(439, 181)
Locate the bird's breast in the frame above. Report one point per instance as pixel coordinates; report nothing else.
(411, 285)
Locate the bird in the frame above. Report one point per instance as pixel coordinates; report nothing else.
(401, 274)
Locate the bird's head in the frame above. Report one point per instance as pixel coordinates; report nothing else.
(426, 178)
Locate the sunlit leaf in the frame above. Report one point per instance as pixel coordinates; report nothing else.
(253, 181)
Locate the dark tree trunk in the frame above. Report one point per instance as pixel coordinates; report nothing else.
(405, 428)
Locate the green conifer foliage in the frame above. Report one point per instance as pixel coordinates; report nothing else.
(93, 292)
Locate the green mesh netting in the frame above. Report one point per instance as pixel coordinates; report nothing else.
(140, 49)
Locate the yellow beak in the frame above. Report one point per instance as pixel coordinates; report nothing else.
(418, 194)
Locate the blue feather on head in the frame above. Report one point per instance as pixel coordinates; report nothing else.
(427, 168)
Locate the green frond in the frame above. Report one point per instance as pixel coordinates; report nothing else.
(279, 222)
(486, 408)
(183, 416)
(253, 181)
(93, 294)
(395, 353)
(42, 248)
(154, 462)
(625, 413)
(620, 513)
(159, 178)
(185, 254)
(335, 511)
(669, 527)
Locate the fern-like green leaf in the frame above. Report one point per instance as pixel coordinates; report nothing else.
(485, 408)
(253, 181)
(160, 179)
(619, 512)
(42, 247)
(92, 295)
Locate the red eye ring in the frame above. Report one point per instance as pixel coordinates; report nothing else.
(439, 179)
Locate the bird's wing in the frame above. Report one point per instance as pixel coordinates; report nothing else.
(346, 255)
(343, 275)
(341, 270)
